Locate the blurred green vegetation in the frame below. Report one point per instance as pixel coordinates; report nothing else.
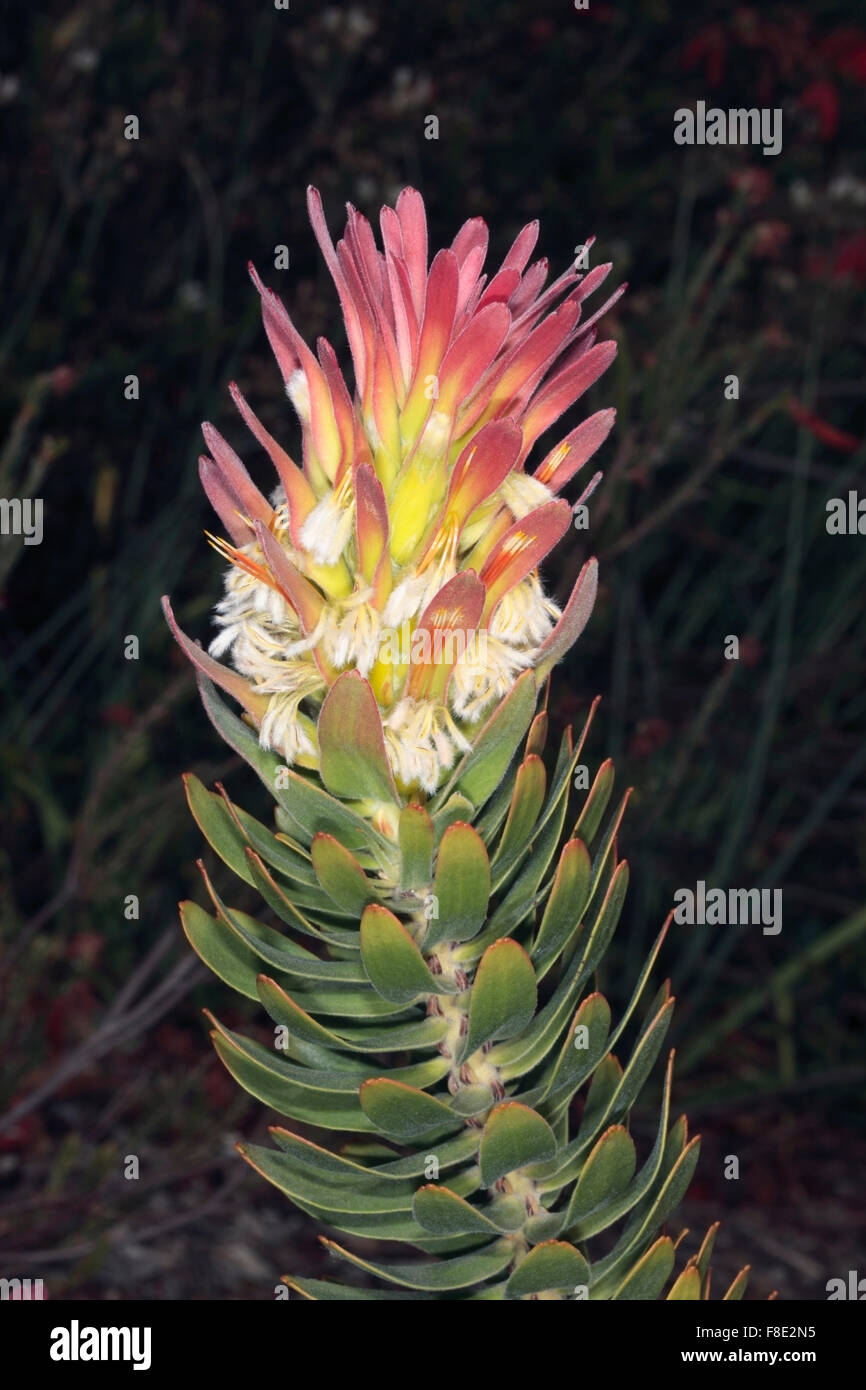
(122, 257)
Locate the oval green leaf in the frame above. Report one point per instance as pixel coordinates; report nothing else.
(513, 1137)
(461, 886)
(554, 1265)
(340, 874)
(394, 965)
(403, 1112)
(352, 756)
(503, 996)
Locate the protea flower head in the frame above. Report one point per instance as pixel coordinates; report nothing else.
(406, 547)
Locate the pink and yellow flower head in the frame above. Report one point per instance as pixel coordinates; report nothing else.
(407, 545)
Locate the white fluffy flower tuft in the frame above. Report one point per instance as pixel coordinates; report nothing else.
(326, 531)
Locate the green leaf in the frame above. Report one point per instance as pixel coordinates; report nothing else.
(481, 770)
(232, 833)
(705, 1254)
(290, 958)
(603, 1107)
(352, 755)
(461, 886)
(363, 1149)
(459, 1273)
(331, 1192)
(595, 805)
(346, 1167)
(513, 1137)
(649, 1276)
(394, 1037)
(738, 1287)
(640, 1063)
(537, 736)
(547, 830)
(606, 1175)
(456, 808)
(441, 1211)
(604, 862)
(323, 1291)
(394, 965)
(405, 1113)
(541, 1035)
(324, 1071)
(606, 922)
(613, 1090)
(526, 803)
(545, 1225)
(523, 893)
(415, 836)
(237, 734)
(379, 1211)
(396, 1227)
(472, 1099)
(288, 911)
(503, 996)
(553, 1265)
(687, 1287)
(212, 817)
(286, 856)
(649, 1216)
(334, 1111)
(599, 1102)
(640, 984)
(311, 810)
(344, 1001)
(490, 822)
(575, 1063)
(569, 1165)
(221, 949)
(565, 906)
(284, 1010)
(340, 874)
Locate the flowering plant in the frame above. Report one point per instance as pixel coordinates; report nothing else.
(437, 928)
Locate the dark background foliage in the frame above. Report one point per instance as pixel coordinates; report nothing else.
(121, 257)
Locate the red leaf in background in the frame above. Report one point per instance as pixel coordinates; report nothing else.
(85, 947)
(177, 1043)
(63, 379)
(122, 715)
(849, 260)
(69, 1016)
(853, 63)
(218, 1086)
(701, 1191)
(21, 1135)
(766, 82)
(540, 30)
(751, 650)
(770, 237)
(755, 184)
(846, 260)
(649, 735)
(708, 47)
(775, 338)
(822, 99)
(822, 429)
(845, 48)
(747, 26)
